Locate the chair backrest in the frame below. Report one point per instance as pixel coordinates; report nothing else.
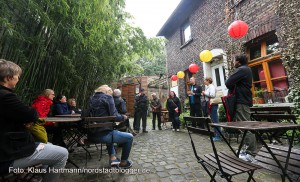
(98, 122)
(193, 124)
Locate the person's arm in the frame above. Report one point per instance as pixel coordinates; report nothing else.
(151, 104)
(60, 110)
(236, 76)
(123, 106)
(167, 105)
(210, 91)
(42, 108)
(158, 104)
(17, 110)
(112, 109)
(178, 104)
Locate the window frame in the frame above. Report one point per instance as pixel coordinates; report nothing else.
(264, 60)
(182, 30)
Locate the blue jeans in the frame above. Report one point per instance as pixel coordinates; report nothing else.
(174, 117)
(215, 118)
(122, 138)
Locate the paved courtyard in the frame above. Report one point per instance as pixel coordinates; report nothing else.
(160, 155)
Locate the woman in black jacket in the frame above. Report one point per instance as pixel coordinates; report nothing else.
(174, 108)
(17, 147)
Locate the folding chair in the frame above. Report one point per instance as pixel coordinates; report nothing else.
(91, 123)
(226, 165)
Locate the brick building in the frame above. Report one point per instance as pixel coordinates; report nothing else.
(197, 25)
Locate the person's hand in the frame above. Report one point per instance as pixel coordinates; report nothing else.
(203, 93)
(28, 125)
(125, 117)
(73, 112)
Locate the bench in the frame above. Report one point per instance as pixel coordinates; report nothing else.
(271, 110)
(265, 160)
(222, 163)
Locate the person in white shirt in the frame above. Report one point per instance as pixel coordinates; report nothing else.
(212, 109)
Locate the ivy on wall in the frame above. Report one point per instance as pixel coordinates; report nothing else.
(288, 33)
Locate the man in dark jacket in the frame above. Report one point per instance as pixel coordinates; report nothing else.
(141, 107)
(241, 81)
(195, 98)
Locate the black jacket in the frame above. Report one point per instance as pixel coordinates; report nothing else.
(197, 97)
(242, 78)
(101, 105)
(172, 103)
(141, 103)
(13, 115)
(120, 105)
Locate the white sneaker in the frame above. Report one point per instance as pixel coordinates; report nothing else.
(177, 129)
(173, 129)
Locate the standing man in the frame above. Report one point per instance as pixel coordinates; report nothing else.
(241, 81)
(141, 107)
(195, 98)
(156, 108)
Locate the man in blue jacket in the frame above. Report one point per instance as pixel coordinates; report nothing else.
(241, 81)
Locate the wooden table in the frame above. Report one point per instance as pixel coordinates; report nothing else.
(74, 132)
(69, 115)
(258, 128)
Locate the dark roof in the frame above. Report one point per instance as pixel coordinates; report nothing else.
(184, 9)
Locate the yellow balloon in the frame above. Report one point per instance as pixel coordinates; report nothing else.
(180, 74)
(205, 56)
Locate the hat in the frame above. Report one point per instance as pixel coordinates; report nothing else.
(142, 90)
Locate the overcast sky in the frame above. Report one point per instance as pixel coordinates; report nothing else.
(150, 15)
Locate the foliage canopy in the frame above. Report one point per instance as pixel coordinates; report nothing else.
(71, 46)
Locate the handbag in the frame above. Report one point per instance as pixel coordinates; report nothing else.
(38, 131)
(215, 101)
(229, 103)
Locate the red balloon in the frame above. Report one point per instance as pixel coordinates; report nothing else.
(193, 68)
(238, 29)
(174, 78)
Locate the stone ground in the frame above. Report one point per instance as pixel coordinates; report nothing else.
(160, 155)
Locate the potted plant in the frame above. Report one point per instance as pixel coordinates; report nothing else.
(259, 97)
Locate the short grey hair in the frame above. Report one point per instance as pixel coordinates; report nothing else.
(8, 69)
(117, 92)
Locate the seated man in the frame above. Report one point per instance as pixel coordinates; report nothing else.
(101, 105)
(120, 104)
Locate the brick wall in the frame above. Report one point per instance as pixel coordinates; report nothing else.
(209, 31)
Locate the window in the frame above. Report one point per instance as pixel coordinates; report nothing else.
(218, 80)
(272, 46)
(268, 71)
(186, 33)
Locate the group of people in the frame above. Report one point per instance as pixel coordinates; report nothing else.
(18, 149)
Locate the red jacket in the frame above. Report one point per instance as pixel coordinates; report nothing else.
(42, 105)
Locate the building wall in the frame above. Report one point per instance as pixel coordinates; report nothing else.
(209, 31)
